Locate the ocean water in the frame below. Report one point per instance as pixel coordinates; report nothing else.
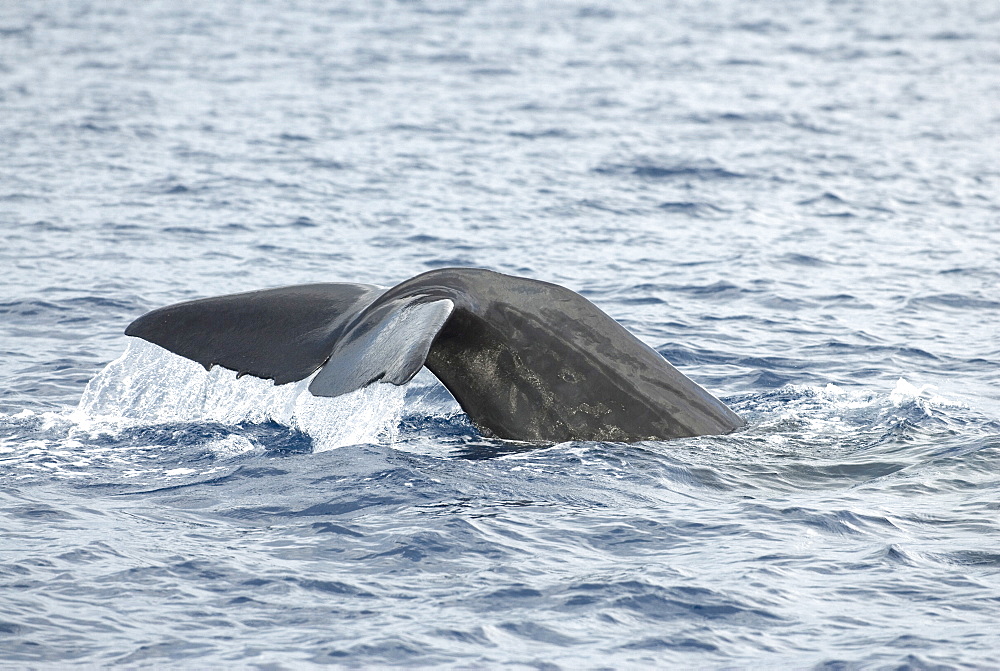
(796, 203)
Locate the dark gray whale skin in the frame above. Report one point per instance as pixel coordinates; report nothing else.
(527, 360)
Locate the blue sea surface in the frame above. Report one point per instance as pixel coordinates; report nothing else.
(796, 203)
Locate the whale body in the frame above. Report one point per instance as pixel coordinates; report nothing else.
(526, 360)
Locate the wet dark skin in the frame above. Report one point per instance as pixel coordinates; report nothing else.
(527, 360)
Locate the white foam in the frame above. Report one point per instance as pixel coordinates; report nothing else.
(904, 392)
(818, 412)
(147, 385)
(232, 446)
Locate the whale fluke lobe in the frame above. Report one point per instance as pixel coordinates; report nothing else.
(390, 346)
(277, 334)
(527, 360)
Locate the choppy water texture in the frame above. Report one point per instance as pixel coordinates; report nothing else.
(797, 203)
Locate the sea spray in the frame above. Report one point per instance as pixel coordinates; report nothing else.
(147, 385)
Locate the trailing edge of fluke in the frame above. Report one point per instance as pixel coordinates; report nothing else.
(526, 360)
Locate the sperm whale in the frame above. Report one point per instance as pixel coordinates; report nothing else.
(526, 360)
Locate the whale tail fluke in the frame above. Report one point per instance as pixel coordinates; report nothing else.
(526, 360)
